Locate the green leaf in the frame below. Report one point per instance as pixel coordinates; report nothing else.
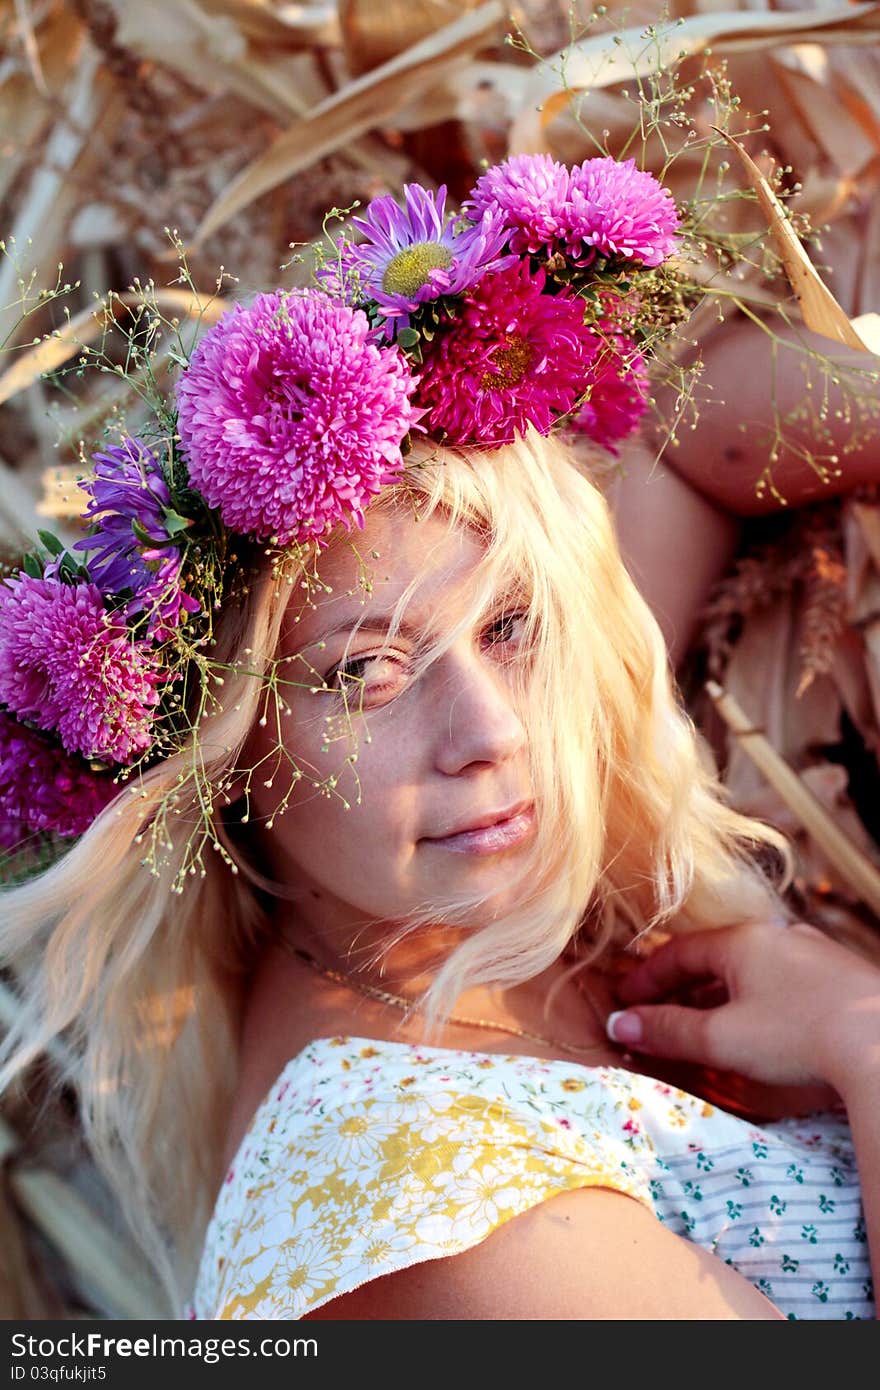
(52, 543)
(69, 569)
(32, 567)
(141, 534)
(174, 523)
(407, 337)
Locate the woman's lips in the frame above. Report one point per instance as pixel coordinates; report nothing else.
(491, 839)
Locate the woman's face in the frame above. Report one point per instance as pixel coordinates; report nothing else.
(435, 755)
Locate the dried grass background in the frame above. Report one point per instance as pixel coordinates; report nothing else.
(239, 122)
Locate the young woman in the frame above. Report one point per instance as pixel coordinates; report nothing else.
(368, 1059)
(527, 793)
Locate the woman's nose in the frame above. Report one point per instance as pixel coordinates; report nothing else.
(477, 722)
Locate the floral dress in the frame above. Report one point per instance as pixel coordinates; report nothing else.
(367, 1157)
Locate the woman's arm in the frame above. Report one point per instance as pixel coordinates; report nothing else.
(797, 1008)
(589, 1255)
(744, 379)
(674, 541)
(679, 519)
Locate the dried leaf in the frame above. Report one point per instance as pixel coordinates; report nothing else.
(466, 93)
(31, 48)
(850, 676)
(18, 512)
(853, 866)
(93, 101)
(361, 106)
(819, 308)
(62, 498)
(824, 615)
(93, 1252)
(866, 517)
(829, 784)
(605, 59)
(802, 71)
(281, 27)
(212, 51)
(85, 327)
(371, 33)
(764, 672)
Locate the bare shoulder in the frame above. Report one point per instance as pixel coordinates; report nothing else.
(592, 1254)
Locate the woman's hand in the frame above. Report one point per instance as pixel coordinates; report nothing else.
(789, 1006)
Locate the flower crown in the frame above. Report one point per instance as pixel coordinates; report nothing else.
(537, 305)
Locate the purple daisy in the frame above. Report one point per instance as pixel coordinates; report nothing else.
(618, 395)
(42, 788)
(292, 419)
(620, 212)
(67, 665)
(530, 191)
(417, 252)
(513, 357)
(130, 505)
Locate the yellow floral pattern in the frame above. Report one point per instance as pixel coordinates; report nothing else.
(369, 1157)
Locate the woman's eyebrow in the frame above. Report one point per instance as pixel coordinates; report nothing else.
(377, 622)
(381, 622)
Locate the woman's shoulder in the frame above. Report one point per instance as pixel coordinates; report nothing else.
(569, 1256)
(371, 1164)
(368, 1158)
(365, 1155)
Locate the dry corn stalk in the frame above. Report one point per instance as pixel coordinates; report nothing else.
(852, 865)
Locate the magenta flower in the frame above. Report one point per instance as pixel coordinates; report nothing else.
(67, 665)
(415, 253)
(513, 357)
(130, 507)
(291, 418)
(530, 192)
(618, 395)
(620, 212)
(44, 789)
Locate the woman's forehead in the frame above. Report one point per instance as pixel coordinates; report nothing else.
(369, 571)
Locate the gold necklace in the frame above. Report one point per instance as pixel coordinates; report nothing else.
(397, 1001)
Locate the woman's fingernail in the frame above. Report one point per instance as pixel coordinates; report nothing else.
(624, 1027)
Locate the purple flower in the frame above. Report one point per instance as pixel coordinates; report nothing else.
(620, 212)
(415, 253)
(67, 665)
(42, 788)
(131, 505)
(530, 191)
(291, 418)
(618, 394)
(513, 357)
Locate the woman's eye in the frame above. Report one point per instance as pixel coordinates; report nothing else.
(508, 628)
(373, 675)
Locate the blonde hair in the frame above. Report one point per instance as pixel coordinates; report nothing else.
(145, 985)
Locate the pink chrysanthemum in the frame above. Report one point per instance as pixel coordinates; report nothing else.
(621, 212)
(291, 418)
(43, 789)
(513, 357)
(67, 665)
(531, 192)
(618, 395)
